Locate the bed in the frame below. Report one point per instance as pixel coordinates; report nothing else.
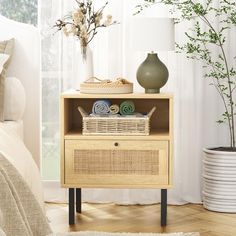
(25, 65)
(14, 149)
(21, 201)
(20, 137)
(20, 181)
(24, 134)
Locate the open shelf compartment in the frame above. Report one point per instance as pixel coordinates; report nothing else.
(159, 123)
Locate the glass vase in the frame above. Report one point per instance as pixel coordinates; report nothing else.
(85, 68)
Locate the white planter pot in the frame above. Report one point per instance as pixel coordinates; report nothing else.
(219, 181)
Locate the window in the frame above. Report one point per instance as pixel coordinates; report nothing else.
(51, 89)
(25, 11)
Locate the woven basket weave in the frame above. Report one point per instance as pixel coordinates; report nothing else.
(97, 86)
(116, 162)
(122, 125)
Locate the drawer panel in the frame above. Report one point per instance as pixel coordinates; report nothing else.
(116, 163)
(116, 144)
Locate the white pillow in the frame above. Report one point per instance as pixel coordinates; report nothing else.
(14, 99)
(3, 59)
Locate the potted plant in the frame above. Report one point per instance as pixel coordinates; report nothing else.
(205, 42)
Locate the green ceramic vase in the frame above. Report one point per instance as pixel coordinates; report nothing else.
(152, 74)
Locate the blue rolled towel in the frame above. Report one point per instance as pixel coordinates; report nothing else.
(101, 107)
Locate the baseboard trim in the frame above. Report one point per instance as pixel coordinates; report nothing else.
(53, 192)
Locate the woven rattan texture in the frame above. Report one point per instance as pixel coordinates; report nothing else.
(116, 162)
(124, 126)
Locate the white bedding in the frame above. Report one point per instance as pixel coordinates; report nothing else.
(14, 127)
(14, 99)
(13, 148)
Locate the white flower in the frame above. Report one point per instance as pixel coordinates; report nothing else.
(108, 20)
(65, 31)
(77, 16)
(74, 30)
(98, 18)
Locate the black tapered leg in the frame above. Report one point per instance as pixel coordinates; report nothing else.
(78, 200)
(71, 206)
(163, 206)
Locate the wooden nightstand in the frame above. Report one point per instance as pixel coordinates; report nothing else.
(87, 161)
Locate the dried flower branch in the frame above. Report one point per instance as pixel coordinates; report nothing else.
(84, 22)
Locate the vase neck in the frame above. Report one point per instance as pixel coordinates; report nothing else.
(152, 57)
(86, 52)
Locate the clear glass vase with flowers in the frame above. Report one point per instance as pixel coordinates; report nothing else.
(83, 23)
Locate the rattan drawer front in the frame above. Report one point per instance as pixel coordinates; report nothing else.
(115, 162)
(94, 163)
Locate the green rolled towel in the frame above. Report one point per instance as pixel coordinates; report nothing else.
(127, 108)
(114, 109)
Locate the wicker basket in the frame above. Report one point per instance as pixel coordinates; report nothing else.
(122, 125)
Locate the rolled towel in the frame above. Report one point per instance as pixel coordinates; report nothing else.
(114, 109)
(127, 108)
(101, 107)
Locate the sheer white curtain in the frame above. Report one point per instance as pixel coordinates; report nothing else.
(196, 104)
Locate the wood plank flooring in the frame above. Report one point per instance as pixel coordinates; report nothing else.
(136, 218)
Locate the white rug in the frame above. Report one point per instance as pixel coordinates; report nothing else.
(90, 233)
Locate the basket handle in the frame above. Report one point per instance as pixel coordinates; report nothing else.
(151, 112)
(95, 79)
(82, 111)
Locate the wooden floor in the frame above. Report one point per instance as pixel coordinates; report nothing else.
(136, 218)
